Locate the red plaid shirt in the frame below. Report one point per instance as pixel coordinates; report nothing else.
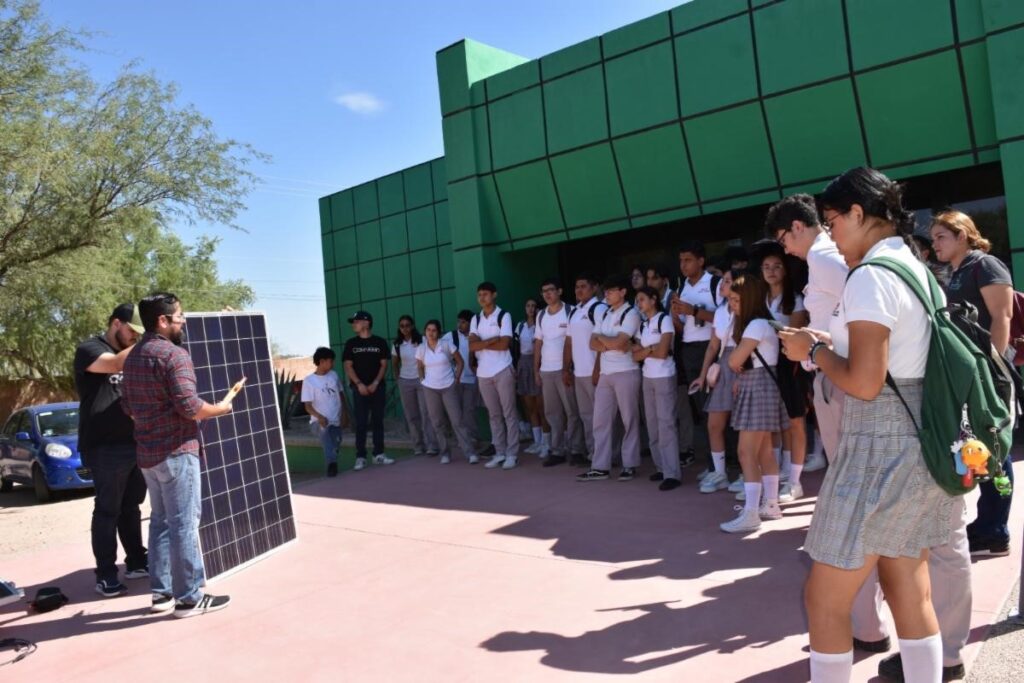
(159, 391)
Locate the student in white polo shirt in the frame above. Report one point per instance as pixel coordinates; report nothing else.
(560, 407)
(618, 387)
(435, 358)
(490, 336)
(693, 308)
(660, 278)
(414, 406)
(580, 359)
(469, 393)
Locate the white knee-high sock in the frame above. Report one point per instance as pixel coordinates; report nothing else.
(787, 462)
(831, 668)
(771, 487)
(719, 460)
(538, 434)
(922, 659)
(753, 493)
(794, 474)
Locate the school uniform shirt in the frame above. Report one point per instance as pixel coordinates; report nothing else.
(977, 270)
(527, 334)
(880, 296)
(468, 376)
(775, 308)
(618, 361)
(324, 392)
(438, 363)
(826, 280)
(551, 331)
(580, 329)
(767, 342)
(650, 335)
(406, 352)
(699, 294)
(366, 355)
(723, 326)
(490, 362)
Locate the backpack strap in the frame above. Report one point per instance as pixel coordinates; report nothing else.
(715, 281)
(764, 365)
(904, 273)
(592, 313)
(629, 307)
(501, 318)
(519, 329)
(540, 315)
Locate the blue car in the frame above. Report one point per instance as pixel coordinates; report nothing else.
(39, 448)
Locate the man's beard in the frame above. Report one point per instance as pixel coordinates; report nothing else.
(176, 338)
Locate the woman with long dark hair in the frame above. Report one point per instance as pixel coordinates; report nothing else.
(878, 506)
(407, 377)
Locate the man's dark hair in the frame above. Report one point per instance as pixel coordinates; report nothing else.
(617, 281)
(322, 353)
(465, 314)
(662, 270)
(795, 207)
(123, 312)
(154, 306)
(735, 254)
(553, 281)
(486, 286)
(589, 277)
(695, 247)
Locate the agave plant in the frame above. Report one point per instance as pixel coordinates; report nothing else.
(286, 395)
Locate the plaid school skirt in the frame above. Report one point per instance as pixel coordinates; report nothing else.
(758, 406)
(720, 399)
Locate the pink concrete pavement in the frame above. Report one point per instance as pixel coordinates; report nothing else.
(423, 572)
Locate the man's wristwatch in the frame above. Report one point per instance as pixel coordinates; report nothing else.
(814, 349)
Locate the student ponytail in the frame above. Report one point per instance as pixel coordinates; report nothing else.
(877, 195)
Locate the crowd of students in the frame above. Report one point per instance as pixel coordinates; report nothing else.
(741, 359)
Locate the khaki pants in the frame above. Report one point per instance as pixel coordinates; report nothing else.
(585, 402)
(562, 414)
(499, 395)
(617, 394)
(660, 412)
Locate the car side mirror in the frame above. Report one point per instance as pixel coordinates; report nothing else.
(22, 436)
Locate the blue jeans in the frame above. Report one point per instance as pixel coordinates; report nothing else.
(993, 510)
(175, 563)
(330, 440)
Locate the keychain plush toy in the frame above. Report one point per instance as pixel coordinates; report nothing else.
(972, 460)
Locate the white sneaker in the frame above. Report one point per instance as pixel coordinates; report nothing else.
(815, 462)
(745, 522)
(360, 464)
(714, 482)
(783, 476)
(770, 510)
(736, 486)
(533, 448)
(445, 459)
(741, 496)
(510, 462)
(544, 451)
(382, 459)
(705, 473)
(791, 492)
(473, 460)
(495, 461)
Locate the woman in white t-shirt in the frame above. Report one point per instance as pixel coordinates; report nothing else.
(440, 369)
(654, 350)
(414, 407)
(526, 383)
(878, 506)
(757, 410)
(787, 307)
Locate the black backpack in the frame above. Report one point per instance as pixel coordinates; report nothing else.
(661, 318)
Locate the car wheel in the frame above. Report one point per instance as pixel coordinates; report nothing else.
(6, 486)
(42, 489)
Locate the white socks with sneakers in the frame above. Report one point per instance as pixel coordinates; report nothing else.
(771, 487)
(922, 659)
(787, 462)
(537, 435)
(753, 493)
(831, 668)
(719, 460)
(794, 474)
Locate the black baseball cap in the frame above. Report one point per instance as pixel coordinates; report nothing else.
(128, 314)
(361, 315)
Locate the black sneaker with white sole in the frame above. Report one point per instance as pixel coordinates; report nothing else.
(111, 589)
(207, 603)
(593, 475)
(687, 458)
(627, 473)
(162, 603)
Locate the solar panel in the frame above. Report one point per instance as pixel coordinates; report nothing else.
(247, 507)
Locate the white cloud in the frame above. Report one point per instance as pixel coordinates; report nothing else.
(360, 102)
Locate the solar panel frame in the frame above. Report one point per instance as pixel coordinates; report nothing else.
(247, 510)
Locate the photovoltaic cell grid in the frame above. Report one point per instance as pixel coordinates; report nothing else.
(247, 509)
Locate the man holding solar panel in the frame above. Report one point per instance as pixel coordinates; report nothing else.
(159, 393)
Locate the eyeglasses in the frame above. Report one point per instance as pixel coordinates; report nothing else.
(780, 238)
(548, 290)
(180, 318)
(827, 222)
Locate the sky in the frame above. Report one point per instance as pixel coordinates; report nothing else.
(336, 92)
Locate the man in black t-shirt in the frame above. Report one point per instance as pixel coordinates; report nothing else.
(366, 361)
(106, 441)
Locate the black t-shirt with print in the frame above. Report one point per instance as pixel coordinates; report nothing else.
(976, 271)
(101, 421)
(366, 355)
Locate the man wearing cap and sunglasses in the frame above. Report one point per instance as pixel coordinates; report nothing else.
(106, 440)
(366, 360)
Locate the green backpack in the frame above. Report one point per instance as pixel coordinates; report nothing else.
(960, 398)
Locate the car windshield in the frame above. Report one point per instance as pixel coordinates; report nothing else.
(63, 422)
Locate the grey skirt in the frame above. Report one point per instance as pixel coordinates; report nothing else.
(758, 405)
(720, 399)
(526, 382)
(878, 497)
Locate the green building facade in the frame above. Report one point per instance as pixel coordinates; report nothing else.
(683, 125)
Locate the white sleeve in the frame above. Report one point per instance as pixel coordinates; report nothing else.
(758, 330)
(307, 390)
(666, 325)
(874, 295)
(631, 323)
(538, 329)
(798, 307)
(506, 326)
(394, 351)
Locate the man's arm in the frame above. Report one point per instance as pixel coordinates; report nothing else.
(109, 363)
(999, 302)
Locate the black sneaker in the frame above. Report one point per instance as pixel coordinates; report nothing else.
(657, 476)
(992, 547)
(645, 453)
(669, 484)
(111, 589)
(553, 460)
(627, 473)
(593, 475)
(162, 603)
(891, 668)
(332, 469)
(687, 458)
(207, 603)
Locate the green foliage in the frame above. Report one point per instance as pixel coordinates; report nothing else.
(287, 399)
(92, 176)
